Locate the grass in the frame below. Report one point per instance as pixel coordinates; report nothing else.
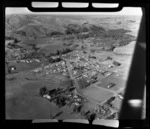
(97, 94)
(111, 79)
(52, 49)
(26, 107)
(25, 66)
(24, 101)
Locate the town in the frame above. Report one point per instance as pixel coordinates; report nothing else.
(84, 71)
(69, 67)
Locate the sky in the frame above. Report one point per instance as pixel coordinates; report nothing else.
(124, 11)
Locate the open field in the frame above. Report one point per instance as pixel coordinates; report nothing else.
(25, 66)
(51, 49)
(119, 83)
(98, 94)
(22, 94)
(27, 107)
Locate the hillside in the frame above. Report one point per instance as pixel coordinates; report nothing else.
(34, 26)
(46, 30)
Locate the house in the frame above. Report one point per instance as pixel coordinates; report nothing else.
(27, 61)
(37, 70)
(47, 96)
(120, 96)
(37, 60)
(11, 69)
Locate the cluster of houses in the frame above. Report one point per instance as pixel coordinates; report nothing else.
(28, 60)
(88, 69)
(104, 111)
(62, 96)
(59, 67)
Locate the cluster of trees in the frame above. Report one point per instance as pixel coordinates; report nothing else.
(33, 55)
(23, 33)
(12, 38)
(55, 33)
(8, 38)
(113, 116)
(83, 83)
(83, 36)
(64, 51)
(58, 52)
(68, 43)
(89, 115)
(58, 114)
(110, 100)
(43, 91)
(51, 60)
(60, 101)
(95, 28)
(83, 32)
(13, 45)
(75, 29)
(34, 47)
(77, 109)
(68, 37)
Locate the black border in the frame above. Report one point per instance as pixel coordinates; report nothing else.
(130, 3)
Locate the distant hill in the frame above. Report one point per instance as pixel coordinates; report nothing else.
(29, 29)
(41, 25)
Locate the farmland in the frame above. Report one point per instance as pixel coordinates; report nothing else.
(67, 67)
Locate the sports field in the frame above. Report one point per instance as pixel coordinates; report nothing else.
(96, 93)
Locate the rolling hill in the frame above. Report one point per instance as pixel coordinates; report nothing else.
(35, 29)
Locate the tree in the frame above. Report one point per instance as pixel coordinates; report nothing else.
(79, 108)
(83, 83)
(58, 114)
(16, 40)
(34, 47)
(92, 117)
(9, 70)
(75, 109)
(60, 101)
(58, 52)
(82, 47)
(43, 91)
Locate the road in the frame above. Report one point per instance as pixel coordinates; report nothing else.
(72, 77)
(78, 90)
